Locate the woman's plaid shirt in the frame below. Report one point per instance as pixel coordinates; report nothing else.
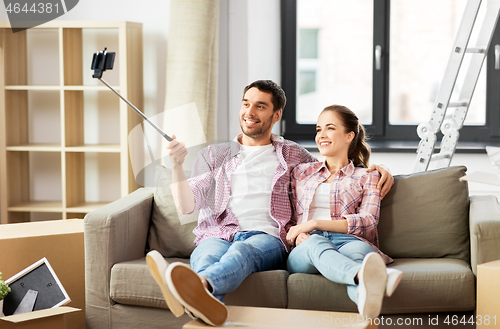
(354, 196)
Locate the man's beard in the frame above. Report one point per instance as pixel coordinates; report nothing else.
(262, 130)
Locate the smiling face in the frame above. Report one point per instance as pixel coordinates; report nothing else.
(257, 117)
(331, 136)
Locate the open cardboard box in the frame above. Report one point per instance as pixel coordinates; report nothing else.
(488, 290)
(61, 242)
(52, 318)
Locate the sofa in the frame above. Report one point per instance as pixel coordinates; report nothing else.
(436, 233)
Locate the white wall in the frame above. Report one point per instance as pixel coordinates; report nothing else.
(250, 50)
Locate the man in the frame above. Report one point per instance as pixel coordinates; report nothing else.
(241, 189)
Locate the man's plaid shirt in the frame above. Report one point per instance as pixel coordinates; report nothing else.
(211, 185)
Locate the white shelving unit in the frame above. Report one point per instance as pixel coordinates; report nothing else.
(63, 135)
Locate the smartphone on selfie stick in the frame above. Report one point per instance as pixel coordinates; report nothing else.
(103, 61)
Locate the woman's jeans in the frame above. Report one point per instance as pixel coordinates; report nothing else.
(336, 256)
(226, 264)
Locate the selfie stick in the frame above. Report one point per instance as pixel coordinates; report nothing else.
(167, 137)
(103, 61)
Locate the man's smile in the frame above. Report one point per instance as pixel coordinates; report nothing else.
(250, 122)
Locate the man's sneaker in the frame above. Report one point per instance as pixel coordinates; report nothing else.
(187, 287)
(157, 267)
(372, 280)
(393, 278)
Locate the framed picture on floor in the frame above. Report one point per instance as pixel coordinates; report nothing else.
(35, 288)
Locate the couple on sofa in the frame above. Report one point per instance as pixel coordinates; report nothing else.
(249, 223)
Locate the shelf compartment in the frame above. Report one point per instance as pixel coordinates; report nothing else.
(45, 176)
(101, 118)
(102, 177)
(34, 181)
(91, 180)
(44, 110)
(32, 116)
(92, 117)
(33, 56)
(43, 57)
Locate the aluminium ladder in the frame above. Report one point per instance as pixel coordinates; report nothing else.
(450, 116)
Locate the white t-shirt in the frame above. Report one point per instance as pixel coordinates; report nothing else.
(251, 182)
(320, 204)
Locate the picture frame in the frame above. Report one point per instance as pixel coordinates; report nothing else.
(39, 277)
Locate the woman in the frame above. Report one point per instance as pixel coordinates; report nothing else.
(336, 207)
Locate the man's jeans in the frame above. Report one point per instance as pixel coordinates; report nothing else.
(336, 256)
(226, 264)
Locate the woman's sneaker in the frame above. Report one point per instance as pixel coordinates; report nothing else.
(157, 267)
(371, 289)
(187, 287)
(393, 279)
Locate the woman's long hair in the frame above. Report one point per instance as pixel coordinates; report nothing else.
(359, 150)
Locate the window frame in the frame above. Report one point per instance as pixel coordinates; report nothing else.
(381, 132)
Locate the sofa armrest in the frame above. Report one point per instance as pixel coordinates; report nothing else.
(484, 221)
(114, 233)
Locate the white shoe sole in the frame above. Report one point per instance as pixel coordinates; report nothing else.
(393, 279)
(187, 287)
(372, 284)
(157, 267)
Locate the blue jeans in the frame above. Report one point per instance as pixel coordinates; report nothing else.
(336, 256)
(226, 264)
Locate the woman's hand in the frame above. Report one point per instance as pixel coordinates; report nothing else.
(386, 180)
(296, 230)
(301, 238)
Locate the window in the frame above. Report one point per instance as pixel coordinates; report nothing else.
(385, 60)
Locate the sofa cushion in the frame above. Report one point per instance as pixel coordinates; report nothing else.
(170, 233)
(132, 284)
(315, 292)
(261, 289)
(428, 285)
(433, 285)
(426, 215)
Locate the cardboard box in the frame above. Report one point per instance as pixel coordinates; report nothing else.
(488, 290)
(275, 318)
(52, 318)
(61, 242)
